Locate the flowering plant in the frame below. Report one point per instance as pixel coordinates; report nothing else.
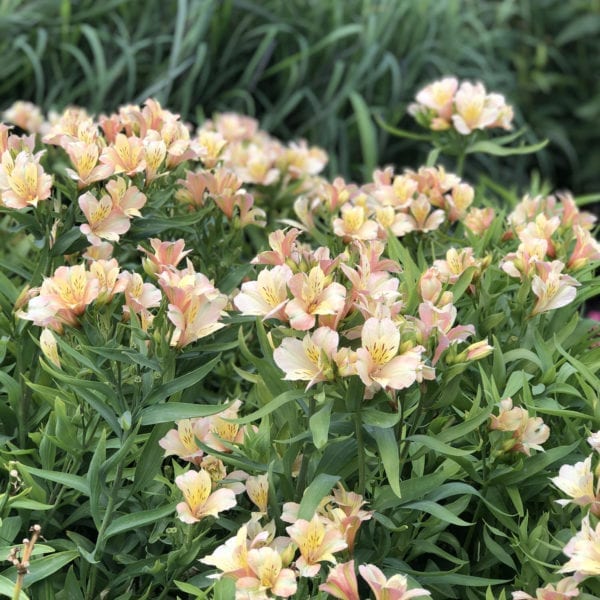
(229, 376)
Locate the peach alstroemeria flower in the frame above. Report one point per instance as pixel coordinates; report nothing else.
(439, 96)
(394, 588)
(231, 558)
(378, 363)
(552, 287)
(126, 198)
(455, 264)
(126, 155)
(103, 221)
(109, 278)
(583, 549)
(310, 359)
(586, 248)
(283, 248)
(267, 296)
(317, 542)
(84, 158)
(577, 481)
(257, 488)
(73, 288)
(473, 109)
(341, 582)
(479, 220)
(199, 502)
(566, 588)
(49, 347)
(182, 442)
(193, 188)
(313, 295)
(23, 181)
(268, 575)
(166, 256)
(354, 224)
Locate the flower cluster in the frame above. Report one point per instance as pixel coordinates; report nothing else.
(467, 107)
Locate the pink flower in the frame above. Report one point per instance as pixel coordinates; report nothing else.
(566, 588)
(166, 256)
(577, 481)
(182, 442)
(341, 582)
(584, 551)
(310, 359)
(23, 181)
(394, 588)
(552, 288)
(378, 364)
(268, 574)
(199, 502)
(473, 108)
(126, 155)
(84, 158)
(313, 295)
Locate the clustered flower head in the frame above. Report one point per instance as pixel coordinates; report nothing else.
(444, 104)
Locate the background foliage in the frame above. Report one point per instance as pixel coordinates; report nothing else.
(319, 69)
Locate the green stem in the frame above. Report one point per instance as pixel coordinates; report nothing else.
(301, 484)
(362, 470)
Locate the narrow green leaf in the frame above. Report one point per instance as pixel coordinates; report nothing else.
(366, 130)
(410, 135)
(272, 406)
(319, 425)
(490, 147)
(170, 412)
(320, 487)
(438, 511)
(41, 568)
(388, 450)
(180, 383)
(139, 519)
(74, 482)
(7, 588)
(438, 446)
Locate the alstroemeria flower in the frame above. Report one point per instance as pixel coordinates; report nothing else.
(310, 359)
(182, 442)
(394, 588)
(583, 549)
(354, 224)
(84, 158)
(566, 588)
(23, 181)
(268, 574)
(313, 295)
(257, 488)
(126, 155)
(341, 582)
(378, 363)
(577, 481)
(267, 296)
(103, 221)
(317, 542)
(552, 287)
(200, 501)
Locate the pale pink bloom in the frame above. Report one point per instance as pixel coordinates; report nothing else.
(181, 285)
(478, 350)
(268, 575)
(455, 264)
(182, 442)
(248, 214)
(378, 364)
(422, 218)
(541, 228)
(336, 193)
(103, 251)
(108, 274)
(479, 220)
(552, 288)
(125, 197)
(354, 224)
(72, 288)
(566, 588)
(155, 152)
(23, 181)
(252, 164)
(231, 557)
(199, 502)
(199, 319)
(257, 488)
(439, 96)
(49, 347)
(430, 285)
(67, 125)
(310, 359)
(126, 155)
(571, 215)
(103, 221)
(111, 126)
(222, 186)
(394, 588)
(341, 582)
(594, 441)
(84, 158)
(219, 431)
(267, 296)
(505, 111)
(523, 262)
(458, 201)
(349, 515)
(25, 115)
(283, 248)
(586, 248)
(313, 295)
(317, 542)
(577, 481)
(139, 297)
(166, 255)
(473, 108)
(235, 127)
(210, 145)
(528, 432)
(584, 551)
(194, 188)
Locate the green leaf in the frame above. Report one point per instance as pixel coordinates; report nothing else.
(410, 135)
(138, 519)
(490, 147)
(320, 487)
(437, 446)
(180, 383)
(319, 425)
(41, 568)
(271, 406)
(7, 588)
(368, 137)
(438, 511)
(388, 450)
(175, 411)
(74, 482)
